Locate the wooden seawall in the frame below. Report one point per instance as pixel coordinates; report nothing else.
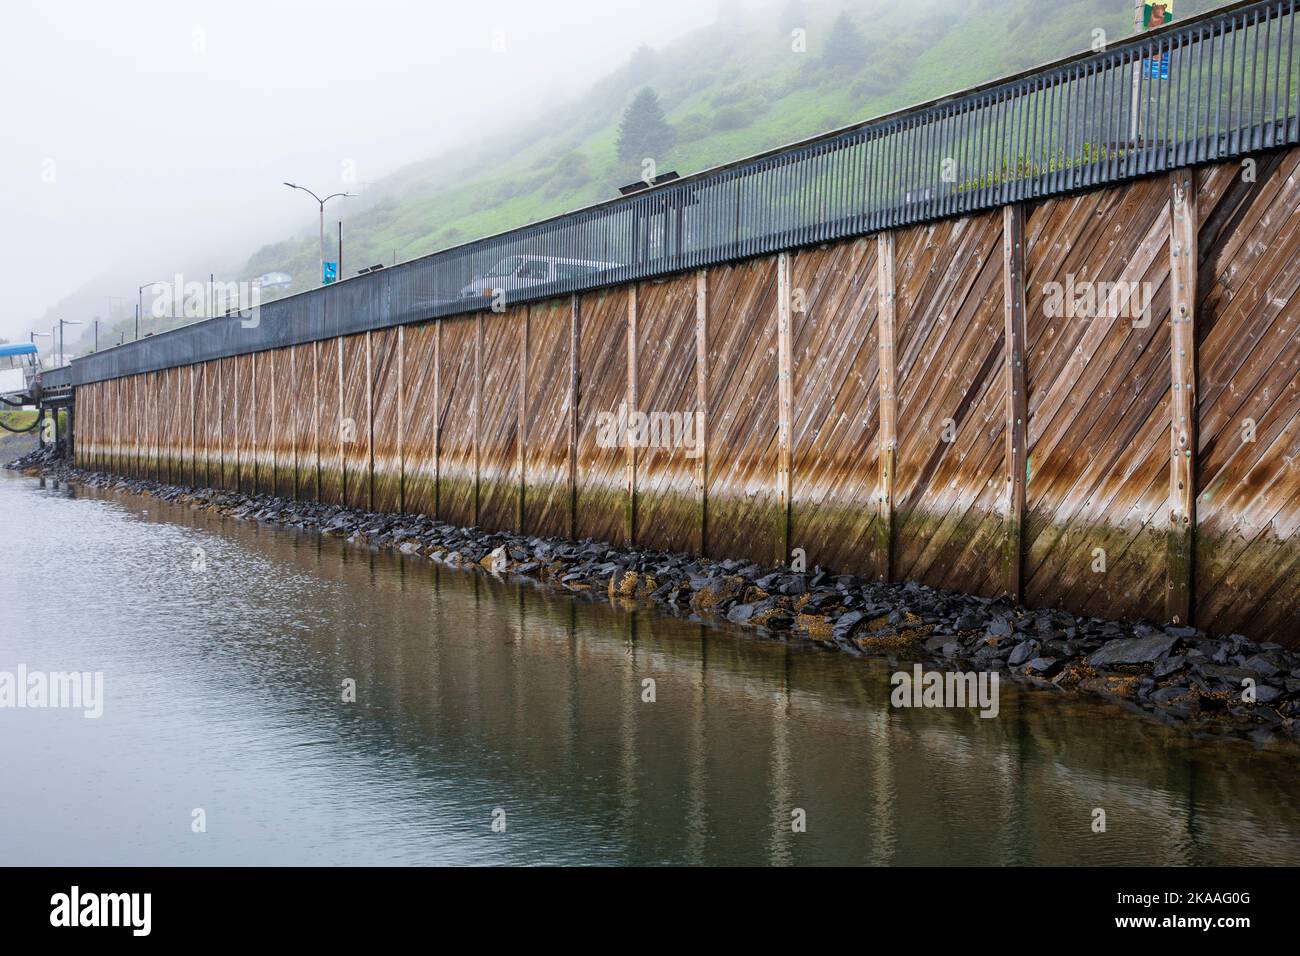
(967, 403)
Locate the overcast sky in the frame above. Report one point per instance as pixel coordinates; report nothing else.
(138, 137)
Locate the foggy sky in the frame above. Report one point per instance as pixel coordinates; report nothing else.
(137, 138)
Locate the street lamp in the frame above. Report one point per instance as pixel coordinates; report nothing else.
(321, 203)
(139, 308)
(32, 337)
(62, 323)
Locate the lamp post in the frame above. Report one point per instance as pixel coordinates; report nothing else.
(32, 338)
(139, 307)
(62, 323)
(321, 203)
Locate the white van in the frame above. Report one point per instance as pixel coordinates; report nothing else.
(521, 272)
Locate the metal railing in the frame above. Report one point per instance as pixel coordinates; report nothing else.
(1218, 86)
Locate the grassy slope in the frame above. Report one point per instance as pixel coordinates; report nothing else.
(740, 69)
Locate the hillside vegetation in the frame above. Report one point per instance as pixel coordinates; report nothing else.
(743, 85)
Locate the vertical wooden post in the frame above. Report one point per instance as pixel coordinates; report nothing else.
(478, 409)
(194, 432)
(1183, 220)
(343, 460)
(221, 426)
(521, 439)
(702, 404)
(295, 393)
(885, 293)
(629, 514)
(273, 440)
(370, 421)
(785, 406)
(575, 338)
(401, 419)
(256, 446)
(315, 418)
(237, 464)
(437, 418)
(1017, 409)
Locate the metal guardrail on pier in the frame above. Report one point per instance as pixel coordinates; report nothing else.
(1218, 86)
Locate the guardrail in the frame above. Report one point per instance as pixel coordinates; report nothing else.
(1215, 87)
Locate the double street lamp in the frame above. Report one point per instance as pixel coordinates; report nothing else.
(321, 203)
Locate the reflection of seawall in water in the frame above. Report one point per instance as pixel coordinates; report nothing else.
(506, 694)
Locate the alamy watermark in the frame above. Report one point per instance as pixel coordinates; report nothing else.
(64, 690)
(651, 430)
(181, 299)
(959, 689)
(1084, 299)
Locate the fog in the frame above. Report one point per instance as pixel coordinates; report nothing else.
(138, 138)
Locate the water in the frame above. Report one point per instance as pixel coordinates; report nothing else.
(223, 692)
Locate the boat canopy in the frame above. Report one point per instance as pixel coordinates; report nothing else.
(18, 348)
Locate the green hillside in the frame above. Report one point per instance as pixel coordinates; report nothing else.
(729, 90)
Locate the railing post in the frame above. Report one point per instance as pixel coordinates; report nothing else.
(1016, 426)
(1182, 351)
(885, 294)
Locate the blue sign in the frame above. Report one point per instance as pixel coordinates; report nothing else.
(331, 272)
(1157, 68)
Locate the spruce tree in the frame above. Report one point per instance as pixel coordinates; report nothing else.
(644, 132)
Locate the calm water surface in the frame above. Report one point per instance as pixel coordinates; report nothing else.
(223, 692)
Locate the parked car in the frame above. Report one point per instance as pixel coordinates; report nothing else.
(522, 272)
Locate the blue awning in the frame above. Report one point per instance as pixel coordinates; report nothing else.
(19, 348)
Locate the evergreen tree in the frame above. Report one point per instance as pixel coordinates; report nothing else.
(844, 50)
(644, 132)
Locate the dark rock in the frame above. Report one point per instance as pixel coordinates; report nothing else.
(1137, 650)
(1022, 652)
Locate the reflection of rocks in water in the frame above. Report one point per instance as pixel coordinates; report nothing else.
(1218, 685)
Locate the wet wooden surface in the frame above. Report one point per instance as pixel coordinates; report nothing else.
(385, 423)
(835, 440)
(494, 419)
(1247, 558)
(602, 388)
(742, 429)
(546, 453)
(667, 510)
(458, 389)
(1097, 496)
(499, 422)
(950, 464)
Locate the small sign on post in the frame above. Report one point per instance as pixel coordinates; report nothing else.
(331, 273)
